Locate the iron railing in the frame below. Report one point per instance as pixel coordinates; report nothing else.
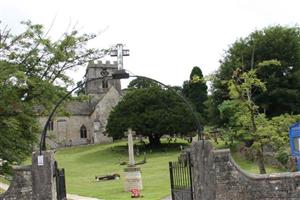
(60, 183)
(181, 179)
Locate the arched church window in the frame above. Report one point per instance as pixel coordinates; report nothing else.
(50, 126)
(83, 132)
(104, 84)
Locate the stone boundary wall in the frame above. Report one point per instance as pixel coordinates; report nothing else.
(33, 182)
(216, 176)
(21, 186)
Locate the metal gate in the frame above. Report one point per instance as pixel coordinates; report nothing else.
(181, 179)
(60, 183)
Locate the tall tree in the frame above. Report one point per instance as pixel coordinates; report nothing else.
(151, 112)
(139, 83)
(241, 89)
(277, 43)
(195, 90)
(247, 124)
(33, 72)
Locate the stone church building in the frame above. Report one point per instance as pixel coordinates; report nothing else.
(86, 121)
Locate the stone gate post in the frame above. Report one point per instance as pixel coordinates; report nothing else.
(43, 180)
(203, 170)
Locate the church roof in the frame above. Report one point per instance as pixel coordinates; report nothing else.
(83, 108)
(74, 107)
(79, 108)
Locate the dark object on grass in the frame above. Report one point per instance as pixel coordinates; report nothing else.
(108, 177)
(123, 163)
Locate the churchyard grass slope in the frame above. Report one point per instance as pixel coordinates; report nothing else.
(83, 163)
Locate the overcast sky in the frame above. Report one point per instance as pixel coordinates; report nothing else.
(166, 38)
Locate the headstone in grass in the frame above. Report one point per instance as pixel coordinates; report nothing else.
(133, 178)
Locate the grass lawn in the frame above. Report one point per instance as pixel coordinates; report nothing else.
(83, 163)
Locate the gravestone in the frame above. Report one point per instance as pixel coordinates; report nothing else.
(133, 178)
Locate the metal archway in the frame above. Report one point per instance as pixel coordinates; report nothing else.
(118, 75)
(44, 132)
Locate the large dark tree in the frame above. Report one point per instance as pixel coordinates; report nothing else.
(151, 112)
(277, 49)
(195, 90)
(139, 83)
(33, 72)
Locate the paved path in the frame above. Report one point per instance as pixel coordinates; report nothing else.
(76, 197)
(69, 196)
(167, 198)
(72, 196)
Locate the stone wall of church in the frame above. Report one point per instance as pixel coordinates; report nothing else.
(101, 114)
(66, 131)
(95, 70)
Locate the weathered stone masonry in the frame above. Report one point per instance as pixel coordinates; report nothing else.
(33, 182)
(21, 186)
(90, 115)
(217, 177)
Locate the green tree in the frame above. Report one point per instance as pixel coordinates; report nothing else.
(278, 43)
(151, 112)
(247, 124)
(33, 72)
(241, 89)
(139, 83)
(196, 91)
(231, 111)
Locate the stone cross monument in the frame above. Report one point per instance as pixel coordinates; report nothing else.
(119, 52)
(133, 178)
(129, 134)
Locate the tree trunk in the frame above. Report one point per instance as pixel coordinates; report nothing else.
(252, 112)
(154, 140)
(260, 161)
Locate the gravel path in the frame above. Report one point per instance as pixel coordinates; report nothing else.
(167, 198)
(69, 196)
(76, 197)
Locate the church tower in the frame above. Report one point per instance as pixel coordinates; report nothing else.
(100, 69)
